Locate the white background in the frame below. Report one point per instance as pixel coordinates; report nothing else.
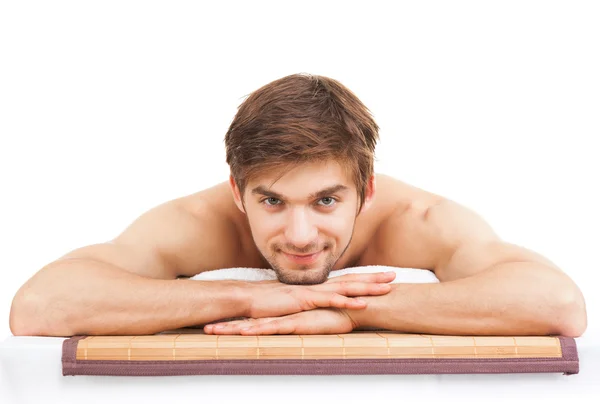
(110, 108)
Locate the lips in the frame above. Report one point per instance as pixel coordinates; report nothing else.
(303, 255)
(302, 259)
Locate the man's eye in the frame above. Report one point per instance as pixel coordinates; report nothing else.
(327, 201)
(272, 201)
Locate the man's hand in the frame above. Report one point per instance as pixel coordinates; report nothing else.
(274, 299)
(319, 321)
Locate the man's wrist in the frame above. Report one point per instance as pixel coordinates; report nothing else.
(371, 315)
(359, 317)
(231, 298)
(242, 295)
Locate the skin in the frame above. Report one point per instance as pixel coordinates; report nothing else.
(286, 220)
(399, 225)
(488, 286)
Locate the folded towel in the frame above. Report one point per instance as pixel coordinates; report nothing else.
(403, 275)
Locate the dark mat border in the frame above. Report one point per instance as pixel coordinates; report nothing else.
(568, 364)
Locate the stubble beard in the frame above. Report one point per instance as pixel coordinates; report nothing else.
(304, 274)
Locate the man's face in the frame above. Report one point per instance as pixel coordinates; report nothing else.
(303, 223)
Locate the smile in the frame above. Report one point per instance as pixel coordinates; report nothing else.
(302, 259)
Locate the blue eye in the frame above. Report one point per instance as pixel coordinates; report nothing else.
(328, 201)
(272, 201)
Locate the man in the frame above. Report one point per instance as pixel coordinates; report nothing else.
(302, 199)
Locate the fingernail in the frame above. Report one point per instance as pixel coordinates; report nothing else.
(219, 326)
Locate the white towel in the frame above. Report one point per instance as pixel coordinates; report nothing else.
(403, 275)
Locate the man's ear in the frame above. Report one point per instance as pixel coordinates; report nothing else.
(235, 191)
(369, 194)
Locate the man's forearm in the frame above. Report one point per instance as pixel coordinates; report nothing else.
(83, 297)
(509, 299)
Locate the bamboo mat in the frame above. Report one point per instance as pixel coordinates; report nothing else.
(358, 352)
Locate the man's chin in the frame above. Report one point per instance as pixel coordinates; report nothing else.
(302, 276)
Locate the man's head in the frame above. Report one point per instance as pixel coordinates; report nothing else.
(301, 152)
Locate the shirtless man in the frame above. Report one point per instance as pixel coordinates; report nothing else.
(302, 199)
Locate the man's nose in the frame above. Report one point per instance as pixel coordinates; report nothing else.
(300, 231)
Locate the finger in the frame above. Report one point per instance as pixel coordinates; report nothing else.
(210, 328)
(234, 327)
(293, 324)
(355, 288)
(361, 289)
(346, 296)
(280, 326)
(223, 329)
(372, 278)
(324, 300)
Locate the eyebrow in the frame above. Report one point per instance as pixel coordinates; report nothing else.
(262, 190)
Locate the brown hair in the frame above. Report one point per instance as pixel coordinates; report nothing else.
(301, 118)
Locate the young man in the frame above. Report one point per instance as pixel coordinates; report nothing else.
(303, 200)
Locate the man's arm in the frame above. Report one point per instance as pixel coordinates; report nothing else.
(487, 286)
(129, 285)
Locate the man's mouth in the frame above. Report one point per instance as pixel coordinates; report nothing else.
(302, 259)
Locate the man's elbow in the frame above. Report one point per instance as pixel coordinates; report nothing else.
(22, 319)
(571, 314)
(29, 317)
(19, 327)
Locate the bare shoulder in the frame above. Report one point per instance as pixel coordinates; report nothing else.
(421, 228)
(432, 232)
(217, 236)
(180, 237)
